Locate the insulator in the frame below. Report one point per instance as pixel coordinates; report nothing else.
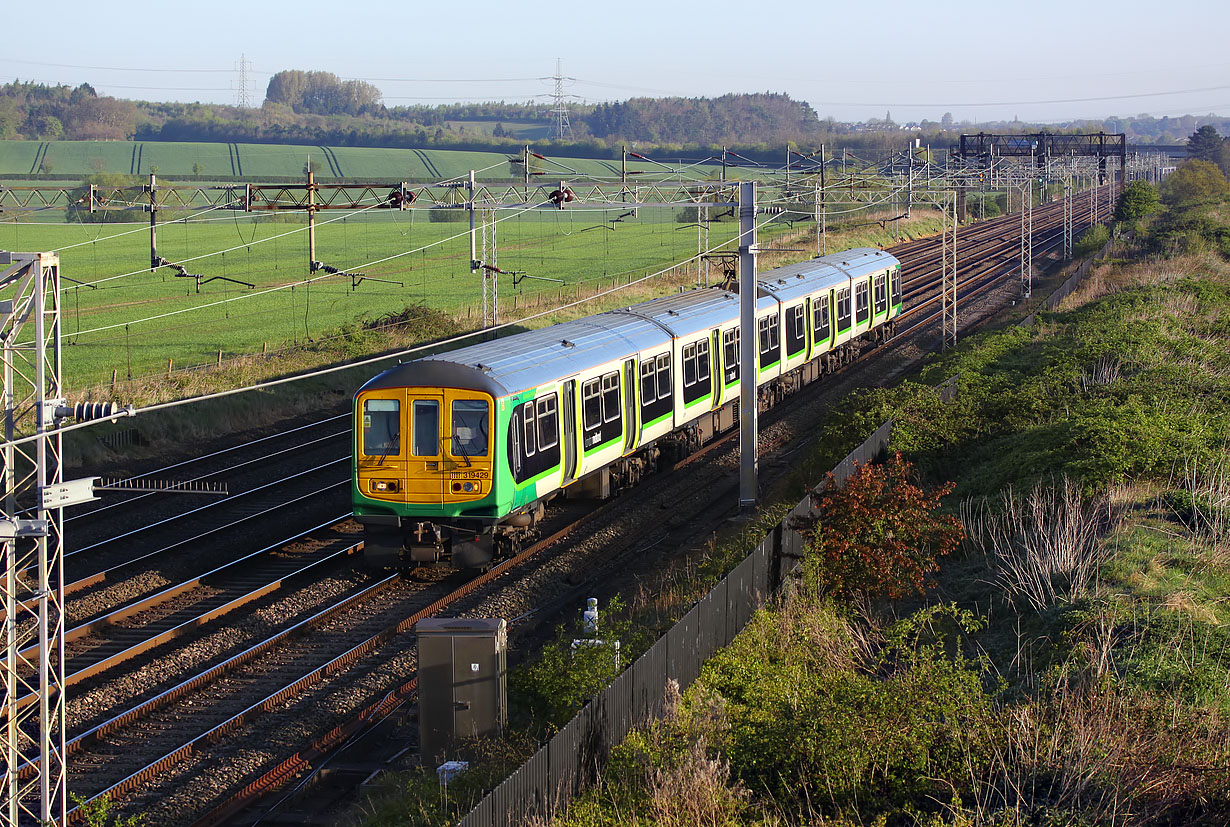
(86, 411)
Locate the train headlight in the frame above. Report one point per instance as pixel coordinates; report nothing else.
(469, 487)
(384, 486)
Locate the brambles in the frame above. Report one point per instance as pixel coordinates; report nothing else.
(877, 536)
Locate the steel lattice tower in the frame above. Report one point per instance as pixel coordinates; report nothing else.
(1027, 237)
(949, 288)
(1067, 217)
(563, 129)
(243, 95)
(34, 763)
(491, 284)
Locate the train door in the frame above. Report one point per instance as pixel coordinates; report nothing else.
(632, 424)
(716, 374)
(808, 333)
(465, 433)
(426, 471)
(568, 405)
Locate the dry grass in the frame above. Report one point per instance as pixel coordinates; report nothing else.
(1098, 756)
(1044, 546)
(1207, 485)
(1114, 277)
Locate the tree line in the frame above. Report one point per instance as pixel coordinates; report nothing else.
(310, 107)
(37, 111)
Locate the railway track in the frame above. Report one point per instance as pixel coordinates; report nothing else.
(181, 614)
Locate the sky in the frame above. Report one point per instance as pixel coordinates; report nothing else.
(1043, 61)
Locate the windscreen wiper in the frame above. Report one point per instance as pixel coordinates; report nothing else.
(458, 447)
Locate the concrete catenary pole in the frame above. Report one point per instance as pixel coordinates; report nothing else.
(747, 345)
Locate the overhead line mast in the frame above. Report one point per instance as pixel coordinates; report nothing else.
(563, 129)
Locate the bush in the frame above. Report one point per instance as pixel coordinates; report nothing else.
(878, 535)
(1091, 240)
(1193, 180)
(1138, 200)
(817, 718)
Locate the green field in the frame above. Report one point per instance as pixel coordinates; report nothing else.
(123, 321)
(523, 130)
(262, 161)
(134, 323)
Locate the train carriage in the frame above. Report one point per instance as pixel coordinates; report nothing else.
(456, 454)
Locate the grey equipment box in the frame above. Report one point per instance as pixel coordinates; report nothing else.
(462, 683)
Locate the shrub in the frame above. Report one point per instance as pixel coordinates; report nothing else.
(1091, 240)
(879, 535)
(1139, 199)
(868, 731)
(1193, 180)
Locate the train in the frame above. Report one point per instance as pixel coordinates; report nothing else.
(456, 454)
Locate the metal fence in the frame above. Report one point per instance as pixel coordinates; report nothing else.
(1073, 281)
(573, 758)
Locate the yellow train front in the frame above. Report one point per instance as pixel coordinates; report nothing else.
(456, 454)
(425, 465)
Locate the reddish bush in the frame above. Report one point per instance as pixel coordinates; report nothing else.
(879, 535)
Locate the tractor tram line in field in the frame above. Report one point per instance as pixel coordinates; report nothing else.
(310, 645)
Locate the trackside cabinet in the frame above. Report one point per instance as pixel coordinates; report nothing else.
(462, 683)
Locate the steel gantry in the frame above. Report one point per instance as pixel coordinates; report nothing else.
(34, 769)
(1042, 146)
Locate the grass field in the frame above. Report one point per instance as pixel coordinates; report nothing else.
(122, 321)
(257, 161)
(125, 319)
(524, 130)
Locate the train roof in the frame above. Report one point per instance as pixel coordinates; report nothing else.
(693, 312)
(512, 364)
(533, 358)
(798, 280)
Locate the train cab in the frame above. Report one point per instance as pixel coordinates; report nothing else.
(424, 451)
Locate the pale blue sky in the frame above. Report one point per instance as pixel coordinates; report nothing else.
(1043, 60)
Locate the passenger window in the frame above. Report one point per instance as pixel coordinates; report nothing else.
(649, 382)
(548, 423)
(843, 308)
(768, 334)
(730, 347)
(702, 360)
(610, 397)
(689, 365)
(470, 428)
(796, 322)
(529, 427)
(591, 404)
(664, 376)
(381, 427)
(426, 428)
(821, 312)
